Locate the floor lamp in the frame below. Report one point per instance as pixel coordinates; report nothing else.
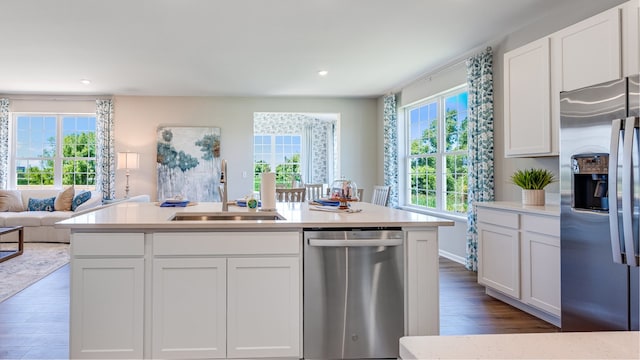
(128, 160)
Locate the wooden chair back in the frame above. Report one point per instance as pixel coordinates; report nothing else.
(314, 191)
(290, 195)
(380, 195)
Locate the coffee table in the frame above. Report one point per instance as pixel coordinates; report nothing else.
(8, 254)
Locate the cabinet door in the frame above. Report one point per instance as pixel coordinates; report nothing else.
(631, 38)
(107, 308)
(189, 308)
(263, 307)
(499, 258)
(527, 100)
(541, 271)
(588, 52)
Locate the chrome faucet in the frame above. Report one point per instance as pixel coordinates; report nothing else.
(223, 187)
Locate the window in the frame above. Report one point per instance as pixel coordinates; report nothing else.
(278, 153)
(55, 150)
(437, 152)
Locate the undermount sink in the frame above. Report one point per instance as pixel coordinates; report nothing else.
(225, 216)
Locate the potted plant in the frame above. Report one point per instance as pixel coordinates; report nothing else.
(533, 181)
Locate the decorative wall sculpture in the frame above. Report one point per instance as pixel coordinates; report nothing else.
(188, 163)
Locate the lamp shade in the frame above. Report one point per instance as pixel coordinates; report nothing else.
(128, 160)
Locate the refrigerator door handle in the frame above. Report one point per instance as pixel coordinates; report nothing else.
(630, 130)
(616, 127)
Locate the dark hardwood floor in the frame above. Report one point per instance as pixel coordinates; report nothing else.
(34, 324)
(465, 309)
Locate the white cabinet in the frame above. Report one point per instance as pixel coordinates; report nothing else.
(107, 296)
(541, 262)
(226, 295)
(529, 129)
(263, 314)
(631, 38)
(589, 52)
(189, 308)
(499, 251)
(519, 259)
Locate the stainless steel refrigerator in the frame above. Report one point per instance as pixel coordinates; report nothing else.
(600, 206)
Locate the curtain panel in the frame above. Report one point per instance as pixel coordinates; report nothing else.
(4, 143)
(390, 120)
(480, 128)
(105, 153)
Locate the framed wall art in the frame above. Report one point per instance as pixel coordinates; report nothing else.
(188, 163)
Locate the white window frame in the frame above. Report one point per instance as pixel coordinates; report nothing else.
(440, 154)
(273, 163)
(58, 158)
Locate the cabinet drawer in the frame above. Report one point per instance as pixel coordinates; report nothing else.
(226, 243)
(549, 225)
(497, 217)
(112, 244)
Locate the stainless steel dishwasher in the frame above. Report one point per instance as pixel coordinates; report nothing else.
(353, 293)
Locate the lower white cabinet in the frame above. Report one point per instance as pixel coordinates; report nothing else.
(519, 259)
(226, 295)
(189, 308)
(263, 314)
(107, 296)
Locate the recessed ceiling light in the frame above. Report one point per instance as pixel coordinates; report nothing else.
(85, 81)
(323, 72)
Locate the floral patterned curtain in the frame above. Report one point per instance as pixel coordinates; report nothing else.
(390, 119)
(4, 143)
(480, 127)
(105, 153)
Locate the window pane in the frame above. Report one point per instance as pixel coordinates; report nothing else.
(78, 172)
(456, 122)
(456, 187)
(423, 181)
(34, 172)
(423, 133)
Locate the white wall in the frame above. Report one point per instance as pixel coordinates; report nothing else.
(137, 118)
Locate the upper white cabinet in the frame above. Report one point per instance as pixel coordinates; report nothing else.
(589, 52)
(631, 38)
(527, 101)
(583, 54)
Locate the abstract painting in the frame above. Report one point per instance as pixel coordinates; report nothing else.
(188, 163)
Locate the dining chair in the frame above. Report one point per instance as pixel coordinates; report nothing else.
(380, 195)
(290, 195)
(360, 194)
(314, 191)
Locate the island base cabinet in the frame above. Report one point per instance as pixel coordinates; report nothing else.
(107, 308)
(263, 308)
(189, 309)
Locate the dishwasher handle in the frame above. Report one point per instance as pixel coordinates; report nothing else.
(354, 243)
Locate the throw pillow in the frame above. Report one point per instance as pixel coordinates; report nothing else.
(64, 199)
(11, 200)
(79, 199)
(41, 204)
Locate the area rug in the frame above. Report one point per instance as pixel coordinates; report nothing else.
(37, 261)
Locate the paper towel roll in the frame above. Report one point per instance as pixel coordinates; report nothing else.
(268, 191)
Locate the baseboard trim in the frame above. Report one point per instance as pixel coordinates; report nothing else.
(452, 257)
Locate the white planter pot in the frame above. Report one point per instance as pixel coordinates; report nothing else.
(533, 197)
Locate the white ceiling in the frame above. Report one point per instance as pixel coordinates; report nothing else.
(243, 47)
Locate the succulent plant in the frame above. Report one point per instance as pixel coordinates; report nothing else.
(533, 179)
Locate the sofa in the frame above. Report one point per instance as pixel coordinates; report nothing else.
(39, 224)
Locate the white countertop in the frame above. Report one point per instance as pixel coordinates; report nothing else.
(548, 209)
(135, 215)
(577, 345)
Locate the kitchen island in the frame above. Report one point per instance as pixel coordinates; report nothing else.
(146, 286)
